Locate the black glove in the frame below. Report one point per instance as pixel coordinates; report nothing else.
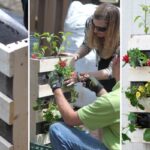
(54, 80)
(93, 84)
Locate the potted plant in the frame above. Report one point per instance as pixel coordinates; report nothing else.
(139, 96)
(136, 121)
(49, 42)
(136, 58)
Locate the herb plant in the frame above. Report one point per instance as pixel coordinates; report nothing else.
(144, 19)
(49, 42)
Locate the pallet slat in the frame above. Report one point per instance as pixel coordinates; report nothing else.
(140, 41)
(6, 60)
(5, 145)
(6, 109)
(139, 74)
(48, 64)
(45, 90)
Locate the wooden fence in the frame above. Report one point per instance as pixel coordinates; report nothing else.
(48, 15)
(14, 96)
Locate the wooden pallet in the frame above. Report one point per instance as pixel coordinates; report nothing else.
(14, 108)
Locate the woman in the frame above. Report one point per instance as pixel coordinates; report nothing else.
(102, 34)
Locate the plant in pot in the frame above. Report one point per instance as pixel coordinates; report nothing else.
(66, 71)
(136, 121)
(50, 43)
(135, 58)
(139, 96)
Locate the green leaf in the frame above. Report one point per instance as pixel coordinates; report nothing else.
(141, 24)
(132, 127)
(146, 30)
(35, 46)
(136, 18)
(132, 117)
(36, 35)
(125, 137)
(146, 135)
(141, 106)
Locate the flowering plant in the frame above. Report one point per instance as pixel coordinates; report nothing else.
(135, 58)
(63, 69)
(135, 93)
(67, 71)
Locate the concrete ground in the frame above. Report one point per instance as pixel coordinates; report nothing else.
(14, 5)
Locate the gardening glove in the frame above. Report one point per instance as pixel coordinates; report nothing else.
(54, 80)
(93, 84)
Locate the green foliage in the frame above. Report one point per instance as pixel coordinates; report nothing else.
(51, 114)
(144, 19)
(132, 117)
(49, 42)
(63, 69)
(146, 135)
(136, 57)
(135, 93)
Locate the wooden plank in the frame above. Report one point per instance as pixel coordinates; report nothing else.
(20, 95)
(5, 145)
(33, 15)
(137, 136)
(139, 74)
(34, 88)
(48, 64)
(45, 90)
(6, 60)
(140, 41)
(6, 109)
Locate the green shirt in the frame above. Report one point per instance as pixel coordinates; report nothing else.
(104, 113)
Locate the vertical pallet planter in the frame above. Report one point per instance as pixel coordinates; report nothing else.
(138, 76)
(40, 66)
(14, 96)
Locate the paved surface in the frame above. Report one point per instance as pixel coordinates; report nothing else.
(14, 5)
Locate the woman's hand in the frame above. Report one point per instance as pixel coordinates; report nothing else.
(76, 77)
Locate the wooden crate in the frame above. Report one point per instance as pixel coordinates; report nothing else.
(14, 108)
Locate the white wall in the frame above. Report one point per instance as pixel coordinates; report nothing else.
(129, 9)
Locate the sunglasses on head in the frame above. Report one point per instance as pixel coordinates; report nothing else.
(99, 29)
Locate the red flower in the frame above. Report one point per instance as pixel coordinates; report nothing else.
(34, 56)
(62, 63)
(148, 62)
(125, 58)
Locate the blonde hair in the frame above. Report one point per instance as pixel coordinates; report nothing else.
(107, 47)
